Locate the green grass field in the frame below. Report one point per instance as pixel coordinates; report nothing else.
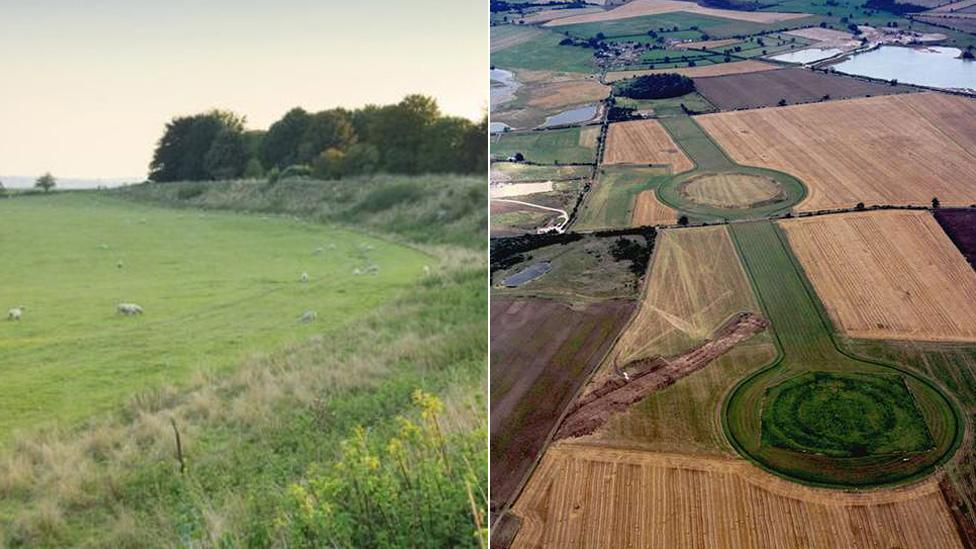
(544, 53)
(805, 339)
(216, 288)
(610, 202)
(635, 28)
(668, 107)
(544, 147)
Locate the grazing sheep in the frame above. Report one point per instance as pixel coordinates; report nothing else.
(119, 264)
(308, 316)
(303, 278)
(372, 270)
(128, 309)
(426, 270)
(356, 271)
(103, 246)
(318, 250)
(16, 313)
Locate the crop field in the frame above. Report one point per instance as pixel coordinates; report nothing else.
(639, 8)
(806, 342)
(541, 351)
(736, 67)
(541, 51)
(509, 36)
(593, 496)
(731, 190)
(223, 285)
(612, 201)
(960, 226)
(544, 16)
(900, 149)
(565, 146)
(648, 210)
(513, 172)
(887, 275)
(696, 283)
(545, 93)
(794, 85)
(644, 142)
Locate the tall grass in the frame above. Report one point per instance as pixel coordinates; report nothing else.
(265, 446)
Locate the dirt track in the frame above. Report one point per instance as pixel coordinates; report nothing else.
(635, 380)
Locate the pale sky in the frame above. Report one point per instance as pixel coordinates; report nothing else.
(86, 86)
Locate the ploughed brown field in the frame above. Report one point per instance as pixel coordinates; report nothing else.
(644, 142)
(795, 85)
(887, 275)
(541, 353)
(639, 8)
(718, 69)
(960, 225)
(898, 149)
(586, 495)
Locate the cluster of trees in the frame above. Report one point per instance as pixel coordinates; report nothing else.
(655, 86)
(409, 137)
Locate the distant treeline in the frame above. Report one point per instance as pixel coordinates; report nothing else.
(409, 137)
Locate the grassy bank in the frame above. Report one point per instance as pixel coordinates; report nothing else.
(361, 434)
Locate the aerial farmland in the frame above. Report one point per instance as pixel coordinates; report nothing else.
(768, 261)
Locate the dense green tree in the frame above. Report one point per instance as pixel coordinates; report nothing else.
(362, 159)
(324, 130)
(279, 147)
(181, 153)
(46, 182)
(227, 156)
(331, 164)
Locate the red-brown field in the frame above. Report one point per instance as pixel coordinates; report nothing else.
(960, 225)
(541, 353)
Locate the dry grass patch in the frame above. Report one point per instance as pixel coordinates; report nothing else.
(639, 8)
(888, 275)
(902, 149)
(507, 36)
(590, 496)
(719, 69)
(644, 142)
(731, 190)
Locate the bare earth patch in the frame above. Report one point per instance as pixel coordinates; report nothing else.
(644, 142)
(888, 275)
(897, 149)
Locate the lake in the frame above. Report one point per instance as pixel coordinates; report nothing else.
(503, 86)
(807, 56)
(572, 116)
(937, 67)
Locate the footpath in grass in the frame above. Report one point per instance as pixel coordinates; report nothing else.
(806, 344)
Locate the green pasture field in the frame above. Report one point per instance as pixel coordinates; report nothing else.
(216, 288)
(636, 28)
(610, 202)
(543, 52)
(544, 147)
(670, 106)
(804, 337)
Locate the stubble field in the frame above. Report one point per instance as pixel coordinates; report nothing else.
(902, 149)
(644, 142)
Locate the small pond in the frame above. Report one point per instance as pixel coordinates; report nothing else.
(498, 127)
(572, 116)
(528, 274)
(807, 56)
(503, 86)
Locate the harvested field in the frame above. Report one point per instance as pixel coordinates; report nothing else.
(639, 8)
(720, 69)
(590, 496)
(508, 36)
(611, 201)
(631, 382)
(553, 14)
(960, 22)
(644, 142)
(888, 275)
(648, 210)
(731, 190)
(960, 226)
(821, 35)
(541, 352)
(696, 284)
(572, 92)
(900, 149)
(588, 137)
(519, 189)
(794, 85)
(963, 6)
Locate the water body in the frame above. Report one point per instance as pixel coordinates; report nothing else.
(528, 274)
(503, 86)
(937, 67)
(572, 116)
(498, 127)
(808, 55)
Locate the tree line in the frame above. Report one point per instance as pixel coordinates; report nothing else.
(409, 137)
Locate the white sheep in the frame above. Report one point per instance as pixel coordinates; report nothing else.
(426, 270)
(303, 278)
(372, 270)
(308, 316)
(356, 271)
(16, 313)
(128, 309)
